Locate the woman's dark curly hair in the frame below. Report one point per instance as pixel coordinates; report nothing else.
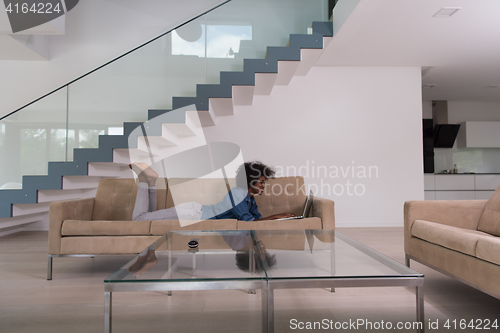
(243, 261)
(253, 171)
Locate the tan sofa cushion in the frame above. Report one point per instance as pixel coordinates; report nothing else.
(206, 191)
(282, 195)
(488, 248)
(458, 239)
(115, 199)
(105, 244)
(307, 223)
(105, 228)
(457, 213)
(162, 227)
(479, 273)
(490, 219)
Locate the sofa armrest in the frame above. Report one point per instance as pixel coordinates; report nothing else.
(457, 213)
(325, 210)
(59, 211)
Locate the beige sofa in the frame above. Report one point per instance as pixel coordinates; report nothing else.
(459, 238)
(103, 225)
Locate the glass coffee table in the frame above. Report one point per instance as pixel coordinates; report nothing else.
(262, 259)
(190, 260)
(329, 259)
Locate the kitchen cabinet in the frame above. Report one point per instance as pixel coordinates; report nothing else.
(454, 182)
(479, 134)
(429, 195)
(460, 186)
(487, 182)
(483, 195)
(429, 182)
(455, 195)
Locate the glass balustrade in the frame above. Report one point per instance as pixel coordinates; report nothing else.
(32, 137)
(147, 78)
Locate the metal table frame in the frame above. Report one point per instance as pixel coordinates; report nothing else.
(269, 284)
(92, 256)
(416, 281)
(110, 287)
(169, 286)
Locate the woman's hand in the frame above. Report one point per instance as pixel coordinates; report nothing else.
(280, 216)
(276, 216)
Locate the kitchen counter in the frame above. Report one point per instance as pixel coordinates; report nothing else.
(465, 173)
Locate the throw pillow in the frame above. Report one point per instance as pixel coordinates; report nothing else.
(490, 219)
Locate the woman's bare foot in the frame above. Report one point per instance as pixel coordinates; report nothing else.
(143, 264)
(144, 172)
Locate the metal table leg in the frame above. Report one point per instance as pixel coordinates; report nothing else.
(49, 268)
(270, 310)
(251, 268)
(420, 308)
(264, 309)
(169, 292)
(332, 263)
(107, 311)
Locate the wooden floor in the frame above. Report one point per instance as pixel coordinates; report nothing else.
(73, 301)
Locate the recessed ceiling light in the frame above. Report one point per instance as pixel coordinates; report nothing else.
(429, 85)
(447, 11)
(494, 85)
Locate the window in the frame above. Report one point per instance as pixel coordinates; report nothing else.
(115, 130)
(223, 41)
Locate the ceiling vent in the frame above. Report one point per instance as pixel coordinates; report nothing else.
(447, 11)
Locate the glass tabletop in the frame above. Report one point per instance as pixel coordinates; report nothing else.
(181, 256)
(312, 254)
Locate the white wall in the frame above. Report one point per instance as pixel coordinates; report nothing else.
(427, 109)
(341, 117)
(485, 160)
(96, 32)
(341, 13)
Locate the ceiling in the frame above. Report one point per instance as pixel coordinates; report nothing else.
(30, 44)
(460, 54)
(54, 27)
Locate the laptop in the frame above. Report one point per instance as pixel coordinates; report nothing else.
(307, 208)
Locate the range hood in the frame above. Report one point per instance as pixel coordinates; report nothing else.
(445, 135)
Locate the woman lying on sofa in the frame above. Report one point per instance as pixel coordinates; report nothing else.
(238, 204)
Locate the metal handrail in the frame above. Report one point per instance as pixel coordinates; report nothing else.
(115, 59)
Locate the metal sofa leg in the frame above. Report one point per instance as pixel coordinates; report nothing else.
(49, 268)
(407, 260)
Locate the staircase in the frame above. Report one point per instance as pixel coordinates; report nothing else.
(165, 133)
